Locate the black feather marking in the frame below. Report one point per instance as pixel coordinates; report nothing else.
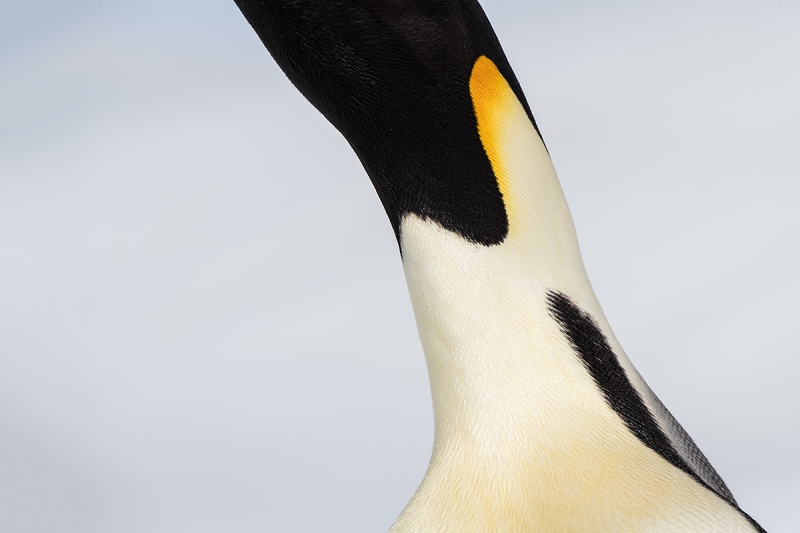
(600, 360)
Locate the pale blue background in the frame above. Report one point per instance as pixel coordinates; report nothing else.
(204, 324)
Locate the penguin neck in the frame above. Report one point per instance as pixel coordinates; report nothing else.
(494, 352)
(482, 312)
(524, 436)
(511, 400)
(521, 428)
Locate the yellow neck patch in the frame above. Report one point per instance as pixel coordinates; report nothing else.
(494, 102)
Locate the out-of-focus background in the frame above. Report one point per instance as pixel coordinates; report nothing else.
(204, 324)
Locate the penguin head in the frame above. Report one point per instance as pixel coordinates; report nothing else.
(393, 76)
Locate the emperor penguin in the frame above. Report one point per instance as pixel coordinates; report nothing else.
(542, 424)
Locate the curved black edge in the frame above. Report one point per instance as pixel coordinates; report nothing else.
(600, 360)
(688, 449)
(393, 78)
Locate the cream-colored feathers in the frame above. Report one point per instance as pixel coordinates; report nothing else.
(524, 439)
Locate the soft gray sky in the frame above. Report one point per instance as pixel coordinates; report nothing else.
(204, 324)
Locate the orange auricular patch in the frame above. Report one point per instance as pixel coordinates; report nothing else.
(494, 102)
